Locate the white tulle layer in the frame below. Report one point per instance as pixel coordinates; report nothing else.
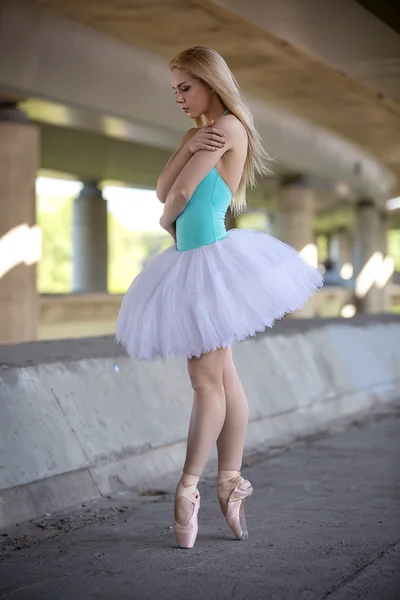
(189, 303)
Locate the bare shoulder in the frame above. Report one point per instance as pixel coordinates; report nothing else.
(234, 129)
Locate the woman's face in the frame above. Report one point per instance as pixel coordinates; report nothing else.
(192, 94)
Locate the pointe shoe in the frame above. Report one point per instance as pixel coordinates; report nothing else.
(186, 534)
(231, 496)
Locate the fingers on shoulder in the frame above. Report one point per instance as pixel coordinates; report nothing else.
(189, 134)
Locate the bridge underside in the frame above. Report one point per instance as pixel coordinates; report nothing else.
(278, 55)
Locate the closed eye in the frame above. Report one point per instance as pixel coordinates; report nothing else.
(185, 89)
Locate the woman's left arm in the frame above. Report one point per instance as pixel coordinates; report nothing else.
(193, 174)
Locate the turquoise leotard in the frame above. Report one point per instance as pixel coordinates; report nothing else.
(203, 220)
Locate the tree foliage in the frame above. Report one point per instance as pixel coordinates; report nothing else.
(128, 250)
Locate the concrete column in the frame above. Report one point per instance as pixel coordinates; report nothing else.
(90, 241)
(340, 248)
(368, 257)
(294, 224)
(344, 247)
(19, 237)
(383, 227)
(272, 228)
(295, 213)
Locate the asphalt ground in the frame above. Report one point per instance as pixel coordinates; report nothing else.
(324, 523)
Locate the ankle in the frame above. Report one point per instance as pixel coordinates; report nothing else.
(225, 475)
(187, 487)
(188, 480)
(186, 496)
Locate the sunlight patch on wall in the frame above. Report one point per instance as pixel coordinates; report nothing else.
(22, 244)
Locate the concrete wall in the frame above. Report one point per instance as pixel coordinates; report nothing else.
(78, 315)
(87, 315)
(79, 419)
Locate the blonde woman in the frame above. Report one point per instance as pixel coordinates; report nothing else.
(211, 288)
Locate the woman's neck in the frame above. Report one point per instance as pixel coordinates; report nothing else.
(215, 112)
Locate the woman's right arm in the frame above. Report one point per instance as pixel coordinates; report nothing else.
(174, 166)
(207, 138)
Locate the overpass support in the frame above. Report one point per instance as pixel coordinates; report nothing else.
(370, 247)
(294, 223)
(340, 250)
(19, 237)
(383, 247)
(90, 241)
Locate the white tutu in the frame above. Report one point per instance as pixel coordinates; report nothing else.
(189, 303)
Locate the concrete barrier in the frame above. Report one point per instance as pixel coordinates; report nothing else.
(78, 419)
(94, 314)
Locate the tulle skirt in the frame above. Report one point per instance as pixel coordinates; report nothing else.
(189, 303)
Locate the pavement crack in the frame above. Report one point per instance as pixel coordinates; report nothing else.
(358, 572)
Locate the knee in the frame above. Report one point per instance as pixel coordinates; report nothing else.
(205, 382)
(230, 375)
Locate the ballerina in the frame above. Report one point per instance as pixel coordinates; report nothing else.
(211, 288)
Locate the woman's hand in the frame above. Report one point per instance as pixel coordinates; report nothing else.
(207, 138)
(171, 229)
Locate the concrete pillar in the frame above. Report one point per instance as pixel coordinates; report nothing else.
(340, 248)
(368, 257)
(89, 241)
(344, 247)
(295, 213)
(294, 224)
(272, 228)
(19, 236)
(383, 228)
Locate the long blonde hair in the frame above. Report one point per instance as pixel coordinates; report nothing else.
(209, 66)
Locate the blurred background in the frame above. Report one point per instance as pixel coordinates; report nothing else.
(88, 120)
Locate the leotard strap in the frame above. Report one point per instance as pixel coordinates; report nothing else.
(223, 114)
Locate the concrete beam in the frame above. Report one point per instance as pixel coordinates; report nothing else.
(90, 156)
(369, 49)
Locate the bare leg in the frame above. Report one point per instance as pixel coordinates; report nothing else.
(232, 437)
(206, 422)
(230, 446)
